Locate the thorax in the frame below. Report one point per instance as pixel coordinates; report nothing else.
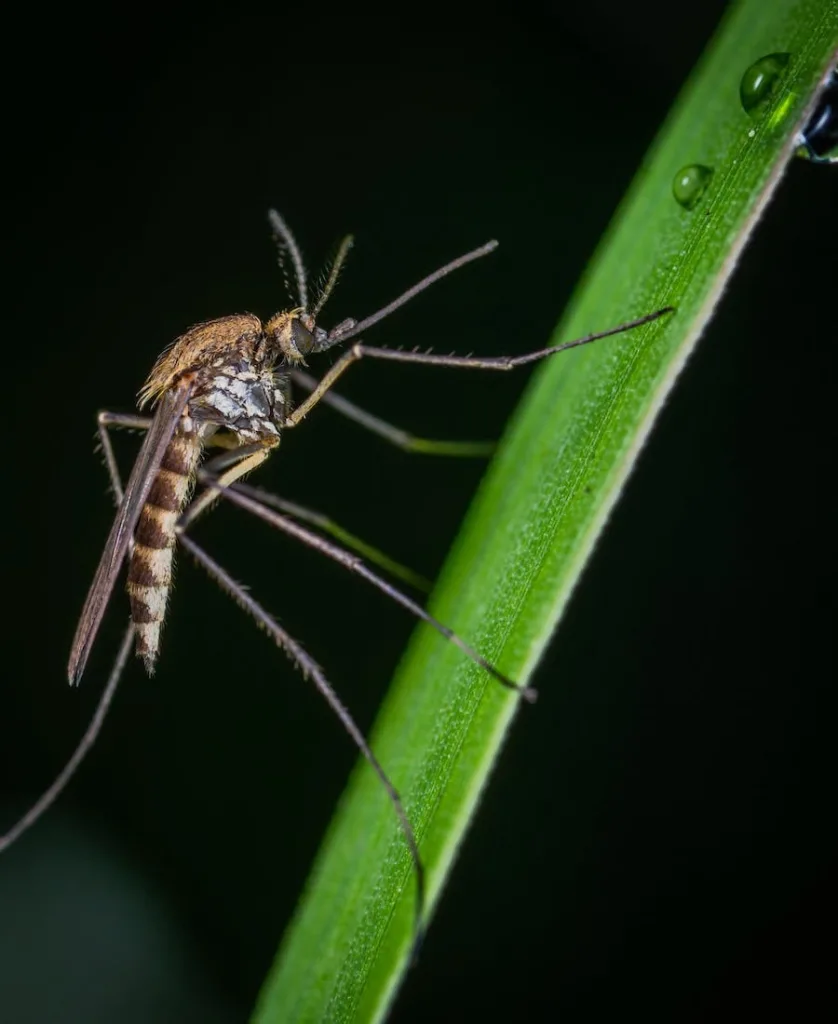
(241, 384)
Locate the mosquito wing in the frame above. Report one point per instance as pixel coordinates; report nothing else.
(142, 476)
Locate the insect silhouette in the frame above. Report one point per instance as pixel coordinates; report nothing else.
(227, 383)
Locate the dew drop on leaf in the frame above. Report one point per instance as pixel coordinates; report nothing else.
(760, 80)
(690, 184)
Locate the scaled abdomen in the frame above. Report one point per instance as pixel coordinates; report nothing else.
(151, 561)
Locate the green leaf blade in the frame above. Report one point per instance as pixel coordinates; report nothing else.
(557, 476)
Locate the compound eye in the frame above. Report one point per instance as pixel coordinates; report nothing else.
(301, 338)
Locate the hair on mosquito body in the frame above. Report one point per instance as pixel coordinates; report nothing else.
(228, 385)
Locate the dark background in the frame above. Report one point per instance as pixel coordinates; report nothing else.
(659, 834)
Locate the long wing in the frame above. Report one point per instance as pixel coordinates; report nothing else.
(139, 484)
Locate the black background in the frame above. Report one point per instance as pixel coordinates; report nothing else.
(659, 834)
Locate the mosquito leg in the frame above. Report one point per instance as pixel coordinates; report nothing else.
(106, 421)
(255, 501)
(123, 421)
(87, 741)
(349, 540)
(395, 435)
(239, 456)
(311, 670)
(503, 363)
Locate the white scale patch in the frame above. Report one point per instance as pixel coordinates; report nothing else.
(154, 598)
(255, 410)
(165, 519)
(221, 401)
(149, 635)
(159, 563)
(239, 388)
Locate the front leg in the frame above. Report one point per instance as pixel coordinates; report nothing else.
(501, 364)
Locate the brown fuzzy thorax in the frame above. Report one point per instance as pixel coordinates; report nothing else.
(150, 565)
(238, 386)
(202, 347)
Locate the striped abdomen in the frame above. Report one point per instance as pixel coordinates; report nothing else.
(150, 565)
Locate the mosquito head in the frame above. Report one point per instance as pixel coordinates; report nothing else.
(295, 334)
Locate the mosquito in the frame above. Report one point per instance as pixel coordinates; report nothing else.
(227, 384)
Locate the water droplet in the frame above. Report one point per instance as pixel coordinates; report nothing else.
(760, 80)
(751, 133)
(690, 184)
(819, 139)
